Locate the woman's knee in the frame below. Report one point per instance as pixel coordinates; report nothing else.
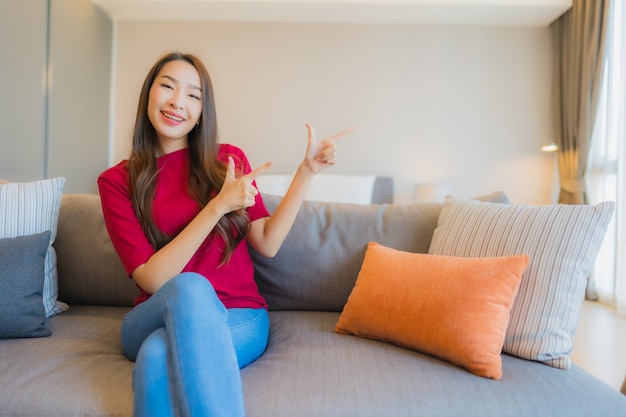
(191, 287)
(152, 355)
(192, 291)
(191, 281)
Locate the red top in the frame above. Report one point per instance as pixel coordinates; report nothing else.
(173, 209)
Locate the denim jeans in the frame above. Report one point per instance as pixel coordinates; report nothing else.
(188, 350)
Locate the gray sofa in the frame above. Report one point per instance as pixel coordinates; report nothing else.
(308, 369)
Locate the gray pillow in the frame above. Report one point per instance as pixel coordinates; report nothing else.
(22, 312)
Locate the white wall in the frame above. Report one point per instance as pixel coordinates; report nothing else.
(467, 106)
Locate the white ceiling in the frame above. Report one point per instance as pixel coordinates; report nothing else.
(455, 12)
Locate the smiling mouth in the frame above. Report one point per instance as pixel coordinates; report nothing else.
(172, 117)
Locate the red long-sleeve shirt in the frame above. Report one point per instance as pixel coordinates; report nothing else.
(173, 209)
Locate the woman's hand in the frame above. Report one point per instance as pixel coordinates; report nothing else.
(267, 235)
(320, 155)
(238, 193)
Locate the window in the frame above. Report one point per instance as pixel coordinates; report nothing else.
(607, 161)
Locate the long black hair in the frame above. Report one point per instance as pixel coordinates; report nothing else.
(207, 173)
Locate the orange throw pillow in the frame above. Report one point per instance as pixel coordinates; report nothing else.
(453, 308)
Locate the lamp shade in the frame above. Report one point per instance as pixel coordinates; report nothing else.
(430, 192)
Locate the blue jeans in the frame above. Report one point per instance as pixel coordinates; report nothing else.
(188, 350)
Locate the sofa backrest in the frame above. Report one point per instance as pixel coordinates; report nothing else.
(315, 269)
(318, 264)
(88, 268)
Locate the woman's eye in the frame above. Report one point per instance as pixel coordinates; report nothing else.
(195, 97)
(167, 86)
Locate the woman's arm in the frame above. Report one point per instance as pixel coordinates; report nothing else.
(169, 261)
(266, 235)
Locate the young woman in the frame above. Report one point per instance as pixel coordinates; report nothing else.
(180, 212)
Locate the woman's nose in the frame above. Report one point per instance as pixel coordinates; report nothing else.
(176, 101)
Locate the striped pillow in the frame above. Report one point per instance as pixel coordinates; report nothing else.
(562, 242)
(29, 208)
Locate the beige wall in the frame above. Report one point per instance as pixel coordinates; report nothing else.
(55, 87)
(22, 86)
(81, 39)
(466, 106)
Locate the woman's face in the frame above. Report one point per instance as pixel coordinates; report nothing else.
(175, 104)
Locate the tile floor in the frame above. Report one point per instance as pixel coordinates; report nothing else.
(600, 343)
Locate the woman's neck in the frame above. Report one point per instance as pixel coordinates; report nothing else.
(172, 145)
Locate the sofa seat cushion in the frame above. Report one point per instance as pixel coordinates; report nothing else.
(309, 371)
(79, 370)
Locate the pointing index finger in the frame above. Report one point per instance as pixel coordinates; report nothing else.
(252, 175)
(340, 134)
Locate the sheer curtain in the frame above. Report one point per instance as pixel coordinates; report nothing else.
(607, 162)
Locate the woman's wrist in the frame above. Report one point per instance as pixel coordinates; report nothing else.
(305, 170)
(214, 209)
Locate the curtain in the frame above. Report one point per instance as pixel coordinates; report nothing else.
(620, 112)
(579, 39)
(607, 163)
